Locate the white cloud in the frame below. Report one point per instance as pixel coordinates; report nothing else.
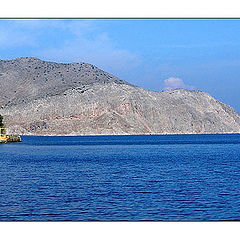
(78, 41)
(27, 33)
(99, 49)
(174, 83)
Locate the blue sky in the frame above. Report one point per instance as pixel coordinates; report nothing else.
(154, 54)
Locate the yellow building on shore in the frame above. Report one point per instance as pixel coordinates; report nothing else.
(3, 139)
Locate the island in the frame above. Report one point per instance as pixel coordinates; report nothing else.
(51, 99)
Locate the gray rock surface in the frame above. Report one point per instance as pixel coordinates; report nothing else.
(46, 98)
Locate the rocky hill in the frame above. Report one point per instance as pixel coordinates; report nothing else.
(46, 98)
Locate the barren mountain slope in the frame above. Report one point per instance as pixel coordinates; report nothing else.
(89, 102)
(27, 78)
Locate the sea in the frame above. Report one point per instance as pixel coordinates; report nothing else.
(121, 178)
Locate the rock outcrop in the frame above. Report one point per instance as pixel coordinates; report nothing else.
(46, 98)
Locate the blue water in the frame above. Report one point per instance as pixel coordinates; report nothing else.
(169, 178)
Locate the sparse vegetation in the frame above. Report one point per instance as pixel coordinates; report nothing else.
(2, 127)
(1, 121)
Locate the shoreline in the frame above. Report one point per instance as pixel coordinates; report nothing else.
(10, 139)
(142, 134)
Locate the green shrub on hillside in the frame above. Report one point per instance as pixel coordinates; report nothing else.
(1, 121)
(2, 130)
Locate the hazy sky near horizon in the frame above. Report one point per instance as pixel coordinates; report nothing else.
(156, 54)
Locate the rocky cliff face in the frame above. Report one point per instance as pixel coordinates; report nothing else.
(45, 98)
